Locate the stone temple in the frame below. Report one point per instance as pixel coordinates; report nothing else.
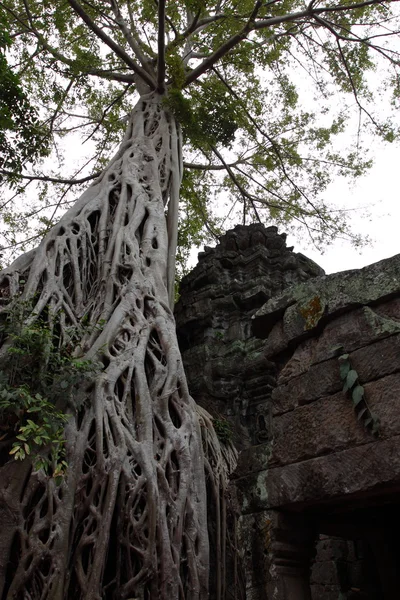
(268, 341)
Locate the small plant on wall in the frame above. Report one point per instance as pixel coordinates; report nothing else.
(352, 386)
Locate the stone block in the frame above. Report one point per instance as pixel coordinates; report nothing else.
(330, 424)
(254, 542)
(377, 360)
(341, 476)
(253, 460)
(367, 469)
(257, 593)
(324, 573)
(352, 331)
(325, 297)
(324, 426)
(320, 380)
(324, 592)
(389, 309)
(330, 548)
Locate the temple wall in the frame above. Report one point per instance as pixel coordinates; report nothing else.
(262, 330)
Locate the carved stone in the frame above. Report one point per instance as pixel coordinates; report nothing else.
(261, 329)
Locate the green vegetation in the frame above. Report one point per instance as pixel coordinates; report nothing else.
(259, 140)
(223, 429)
(352, 386)
(38, 381)
(23, 136)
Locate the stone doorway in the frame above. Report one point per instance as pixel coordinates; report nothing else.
(357, 555)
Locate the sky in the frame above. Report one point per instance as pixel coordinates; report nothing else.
(374, 209)
(377, 193)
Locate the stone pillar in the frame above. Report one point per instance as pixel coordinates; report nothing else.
(291, 549)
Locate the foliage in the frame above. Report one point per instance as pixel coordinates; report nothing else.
(23, 137)
(38, 379)
(223, 429)
(265, 149)
(36, 426)
(352, 386)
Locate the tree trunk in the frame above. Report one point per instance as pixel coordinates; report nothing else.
(129, 520)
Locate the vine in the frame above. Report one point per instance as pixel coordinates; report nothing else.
(354, 389)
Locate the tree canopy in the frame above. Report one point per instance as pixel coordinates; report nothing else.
(261, 90)
(248, 96)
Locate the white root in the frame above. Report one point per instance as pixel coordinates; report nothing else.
(130, 518)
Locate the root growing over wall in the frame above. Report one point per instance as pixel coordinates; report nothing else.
(129, 520)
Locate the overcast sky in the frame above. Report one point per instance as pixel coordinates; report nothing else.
(377, 193)
(375, 199)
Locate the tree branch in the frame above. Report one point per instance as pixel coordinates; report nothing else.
(109, 75)
(161, 47)
(200, 167)
(51, 179)
(120, 52)
(274, 145)
(105, 111)
(223, 49)
(241, 189)
(254, 25)
(129, 37)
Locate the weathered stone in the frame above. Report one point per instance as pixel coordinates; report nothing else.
(320, 380)
(306, 305)
(325, 426)
(330, 424)
(276, 378)
(377, 360)
(325, 592)
(338, 476)
(330, 549)
(324, 573)
(253, 460)
(255, 540)
(213, 315)
(349, 331)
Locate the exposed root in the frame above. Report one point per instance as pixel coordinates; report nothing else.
(129, 521)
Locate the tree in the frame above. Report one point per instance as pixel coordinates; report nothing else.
(213, 79)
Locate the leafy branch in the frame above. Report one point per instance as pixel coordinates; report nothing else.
(38, 377)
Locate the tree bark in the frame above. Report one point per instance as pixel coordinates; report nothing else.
(129, 520)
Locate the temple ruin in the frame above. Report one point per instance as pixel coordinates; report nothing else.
(263, 332)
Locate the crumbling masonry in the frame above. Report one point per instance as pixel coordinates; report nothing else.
(261, 330)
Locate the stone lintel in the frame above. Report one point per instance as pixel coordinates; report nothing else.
(369, 469)
(308, 305)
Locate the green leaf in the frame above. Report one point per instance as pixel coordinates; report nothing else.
(64, 384)
(344, 369)
(343, 356)
(357, 394)
(351, 378)
(362, 413)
